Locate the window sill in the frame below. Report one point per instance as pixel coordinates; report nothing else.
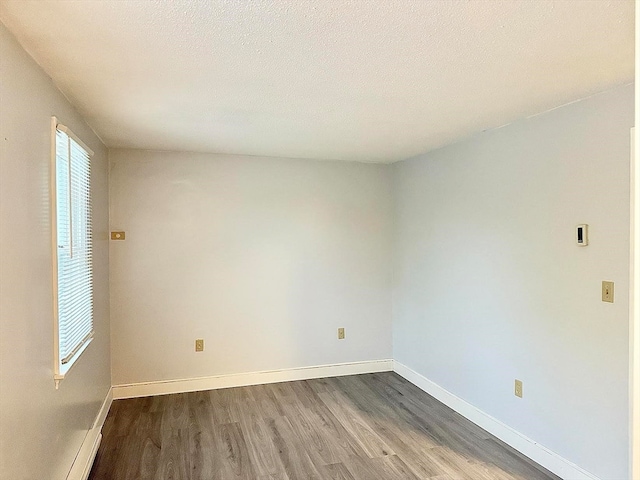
(63, 370)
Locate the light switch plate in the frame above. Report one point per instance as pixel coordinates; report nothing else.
(607, 292)
(518, 388)
(117, 235)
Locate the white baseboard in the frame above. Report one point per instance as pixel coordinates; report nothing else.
(84, 460)
(164, 387)
(536, 452)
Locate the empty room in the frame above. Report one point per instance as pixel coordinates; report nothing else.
(319, 239)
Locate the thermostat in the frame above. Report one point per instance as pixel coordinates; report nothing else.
(582, 236)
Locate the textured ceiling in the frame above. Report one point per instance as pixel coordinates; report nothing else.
(375, 80)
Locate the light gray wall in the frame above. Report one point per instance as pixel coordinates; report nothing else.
(264, 258)
(489, 285)
(41, 428)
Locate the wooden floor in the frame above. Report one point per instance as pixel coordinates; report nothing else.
(375, 426)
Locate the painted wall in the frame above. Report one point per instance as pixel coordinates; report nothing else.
(263, 258)
(41, 428)
(489, 285)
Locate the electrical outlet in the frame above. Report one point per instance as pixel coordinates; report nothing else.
(199, 345)
(607, 292)
(518, 390)
(341, 334)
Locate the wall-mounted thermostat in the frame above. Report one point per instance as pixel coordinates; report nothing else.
(582, 235)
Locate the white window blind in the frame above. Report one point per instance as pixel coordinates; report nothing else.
(73, 266)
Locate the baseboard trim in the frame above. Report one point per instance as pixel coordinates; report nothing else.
(84, 459)
(536, 452)
(163, 387)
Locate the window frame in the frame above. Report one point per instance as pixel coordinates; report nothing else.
(61, 369)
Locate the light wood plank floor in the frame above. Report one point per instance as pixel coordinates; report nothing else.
(374, 426)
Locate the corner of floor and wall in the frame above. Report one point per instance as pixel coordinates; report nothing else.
(458, 269)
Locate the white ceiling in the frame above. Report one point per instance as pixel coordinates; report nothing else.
(377, 80)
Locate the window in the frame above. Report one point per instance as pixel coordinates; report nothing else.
(72, 243)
